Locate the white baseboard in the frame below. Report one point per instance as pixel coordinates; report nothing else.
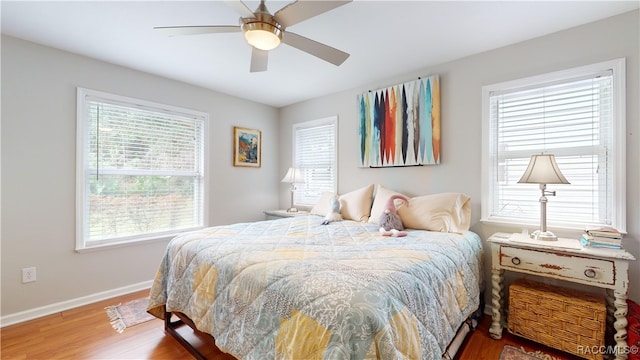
(35, 313)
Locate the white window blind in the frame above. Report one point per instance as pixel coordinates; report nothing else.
(314, 154)
(576, 117)
(140, 169)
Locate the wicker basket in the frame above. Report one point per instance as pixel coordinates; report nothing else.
(563, 319)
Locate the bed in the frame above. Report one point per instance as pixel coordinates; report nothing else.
(295, 289)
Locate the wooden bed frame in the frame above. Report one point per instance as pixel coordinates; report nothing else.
(456, 344)
(172, 326)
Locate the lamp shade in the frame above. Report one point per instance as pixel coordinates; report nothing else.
(543, 169)
(293, 176)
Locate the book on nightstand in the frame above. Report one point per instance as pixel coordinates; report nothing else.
(606, 237)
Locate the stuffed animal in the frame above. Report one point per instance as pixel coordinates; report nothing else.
(390, 222)
(334, 213)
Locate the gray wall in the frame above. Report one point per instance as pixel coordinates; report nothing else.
(461, 118)
(38, 171)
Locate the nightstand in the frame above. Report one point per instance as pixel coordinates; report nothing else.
(278, 214)
(568, 260)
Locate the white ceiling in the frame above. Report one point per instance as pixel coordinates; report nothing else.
(384, 38)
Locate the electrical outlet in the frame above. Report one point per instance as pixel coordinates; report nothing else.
(28, 275)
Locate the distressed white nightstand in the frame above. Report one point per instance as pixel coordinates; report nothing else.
(277, 214)
(565, 259)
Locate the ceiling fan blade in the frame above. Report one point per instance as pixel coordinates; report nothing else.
(324, 52)
(302, 10)
(259, 60)
(240, 8)
(194, 30)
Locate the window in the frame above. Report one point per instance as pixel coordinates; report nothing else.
(140, 170)
(579, 116)
(314, 153)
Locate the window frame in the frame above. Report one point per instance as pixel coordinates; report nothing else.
(618, 128)
(331, 120)
(83, 243)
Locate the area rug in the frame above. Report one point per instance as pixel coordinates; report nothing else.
(512, 353)
(128, 314)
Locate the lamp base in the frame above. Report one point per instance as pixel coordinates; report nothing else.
(292, 209)
(544, 235)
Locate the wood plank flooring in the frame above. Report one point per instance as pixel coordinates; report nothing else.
(85, 333)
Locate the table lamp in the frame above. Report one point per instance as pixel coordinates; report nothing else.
(543, 170)
(293, 177)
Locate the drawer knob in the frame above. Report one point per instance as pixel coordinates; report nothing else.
(590, 273)
(516, 261)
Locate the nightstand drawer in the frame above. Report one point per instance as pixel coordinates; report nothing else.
(563, 266)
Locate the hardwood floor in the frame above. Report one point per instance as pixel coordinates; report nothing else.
(85, 333)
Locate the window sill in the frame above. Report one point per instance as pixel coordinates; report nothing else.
(516, 226)
(130, 242)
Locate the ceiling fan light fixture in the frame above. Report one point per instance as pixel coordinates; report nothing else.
(262, 35)
(264, 31)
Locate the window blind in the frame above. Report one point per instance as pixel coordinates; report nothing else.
(315, 156)
(572, 119)
(142, 170)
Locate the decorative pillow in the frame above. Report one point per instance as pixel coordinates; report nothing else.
(380, 202)
(356, 205)
(323, 206)
(445, 212)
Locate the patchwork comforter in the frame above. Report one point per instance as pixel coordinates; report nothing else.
(294, 289)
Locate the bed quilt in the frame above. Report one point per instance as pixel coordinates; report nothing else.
(295, 289)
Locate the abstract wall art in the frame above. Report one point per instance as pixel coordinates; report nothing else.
(400, 125)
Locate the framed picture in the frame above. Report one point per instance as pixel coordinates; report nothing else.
(247, 147)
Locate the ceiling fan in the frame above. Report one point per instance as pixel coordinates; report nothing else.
(265, 32)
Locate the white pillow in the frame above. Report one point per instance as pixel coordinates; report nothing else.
(380, 202)
(356, 205)
(323, 206)
(445, 212)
